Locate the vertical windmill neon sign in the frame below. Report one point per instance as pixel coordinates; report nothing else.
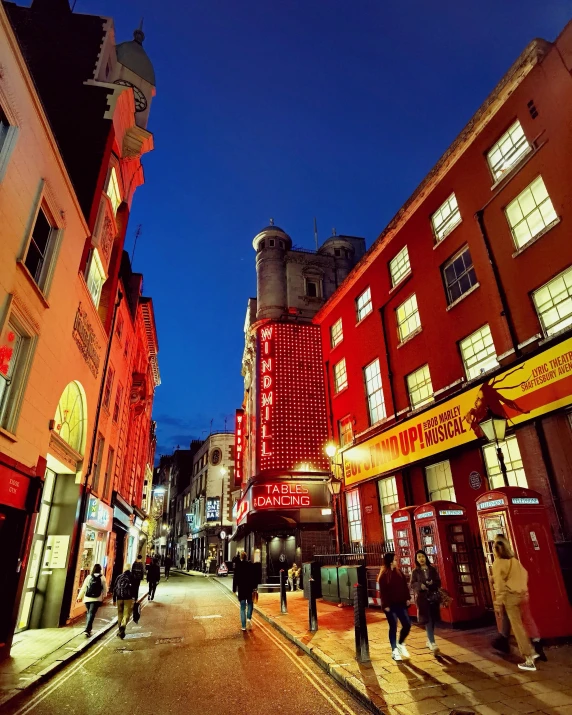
(267, 393)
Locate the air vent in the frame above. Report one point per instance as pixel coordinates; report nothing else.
(532, 109)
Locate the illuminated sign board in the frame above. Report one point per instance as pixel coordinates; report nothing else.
(400, 518)
(283, 495)
(451, 512)
(525, 500)
(213, 508)
(537, 386)
(99, 515)
(491, 504)
(238, 447)
(291, 409)
(424, 515)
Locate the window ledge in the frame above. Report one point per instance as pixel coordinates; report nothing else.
(9, 435)
(337, 345)
(465, 295)
(536, 238)
(482, 375)
(359, 322)
(401, 281)
(447, 234)
(409, 337)
(341, 391)
(419, 408)
(557, 334)
(524, 159)
(37, 290)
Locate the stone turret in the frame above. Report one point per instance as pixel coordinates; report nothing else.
(271, 245)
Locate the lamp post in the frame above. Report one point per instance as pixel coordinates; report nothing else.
(335, 488)
(494, 429)
(223, 473)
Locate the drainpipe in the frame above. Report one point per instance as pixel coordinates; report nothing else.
(480, 217)
(84, 493)
(388, 359)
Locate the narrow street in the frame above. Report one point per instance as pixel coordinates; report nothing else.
(188, 654)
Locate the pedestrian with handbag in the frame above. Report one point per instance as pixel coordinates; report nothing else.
(510, 580)
(395, 600)
(426, 584)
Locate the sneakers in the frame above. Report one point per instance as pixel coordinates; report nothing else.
(243, 629)
(501, 644)
(433, 647)
(528, 664)
(539, 651)
(396, 655)
(403, 651)
(88, 634)
(249, 624)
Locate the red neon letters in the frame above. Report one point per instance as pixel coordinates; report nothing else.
(238, 447)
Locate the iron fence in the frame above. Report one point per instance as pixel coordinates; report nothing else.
(355, 554)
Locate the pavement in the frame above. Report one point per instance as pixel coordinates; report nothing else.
(468, 675)
(188, 654)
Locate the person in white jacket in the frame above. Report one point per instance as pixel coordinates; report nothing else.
(93, 592)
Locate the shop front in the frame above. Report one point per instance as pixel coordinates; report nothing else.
(122, 534)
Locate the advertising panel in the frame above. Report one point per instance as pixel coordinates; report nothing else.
(282, 495)
(537, 386)
(213, 508)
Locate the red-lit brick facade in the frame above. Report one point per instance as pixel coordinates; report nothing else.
(426, 322)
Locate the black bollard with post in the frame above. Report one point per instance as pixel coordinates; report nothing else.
(360, 624)
(312, 609)
(283, 606)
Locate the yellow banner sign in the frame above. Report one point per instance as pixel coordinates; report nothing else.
(541, 384)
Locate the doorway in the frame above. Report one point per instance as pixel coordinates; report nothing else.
(281, 554)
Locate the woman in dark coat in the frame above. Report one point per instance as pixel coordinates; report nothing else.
(395, 599)
(244, 582)
(425, 584)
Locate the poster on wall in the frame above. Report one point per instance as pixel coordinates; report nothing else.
(56, 553)
(537, 386)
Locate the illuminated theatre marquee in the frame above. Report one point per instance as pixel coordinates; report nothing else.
(238, 447)
(267, 390)
(277, 496)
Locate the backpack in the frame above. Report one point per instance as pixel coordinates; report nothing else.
(95, 588)
(138, 571)
(124, 587)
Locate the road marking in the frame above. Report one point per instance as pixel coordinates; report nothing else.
(322, 688)
(67, 674)
(214, 616)
(129, 636)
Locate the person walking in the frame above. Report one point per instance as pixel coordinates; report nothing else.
(425, 584)
(182, 563)
(93, 593)
(123, 595)
(510, 582)
(153, 578)
(395, 600)
(168, 564)
(244, 584)
(138, 572)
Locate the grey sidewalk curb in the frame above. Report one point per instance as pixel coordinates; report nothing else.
(354, 686)
(44, 675)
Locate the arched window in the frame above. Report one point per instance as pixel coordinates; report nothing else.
(70, 417)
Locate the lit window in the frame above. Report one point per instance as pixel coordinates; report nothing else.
(478, 352)
(363, 304)
(553, 303)
(40, 248)
(446, 218)
(117, 404)
(313, 288)
(108, 387)
(70, 417)
(12, 356)
(408, 320)
(459, 275)
(374, 392)
(8, 134)
(530, 213)
(507, 151)
(419, 387)
(98, 462)
(336, 333)
(340, 376)
(354, 516)
(113, 190)
(95, 276)
(389, 503)
(399, 267)
(440, 482)
(346, 431)
(513, 463)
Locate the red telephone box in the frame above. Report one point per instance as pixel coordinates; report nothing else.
(404, 539)
(519, 515)
(444, 534)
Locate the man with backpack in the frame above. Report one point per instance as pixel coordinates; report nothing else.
(93, 592)
(124, 596)
(137, 571)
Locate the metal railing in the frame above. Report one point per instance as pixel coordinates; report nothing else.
(370, 554)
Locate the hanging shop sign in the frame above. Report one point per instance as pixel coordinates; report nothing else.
(213, 508)
(537, 386)
(99, 515)
(238, 447)
(13, 488)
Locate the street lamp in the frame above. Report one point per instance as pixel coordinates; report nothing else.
(223, 473)
(335, 488)
(494, 429)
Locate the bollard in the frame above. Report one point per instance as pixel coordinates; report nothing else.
(283, 606)
(360, 625)
(312, 609)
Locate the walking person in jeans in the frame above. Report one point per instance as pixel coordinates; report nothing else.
(395, 600)
(510, 580)
(93, 593)
(124, 596)
(425, 584)
(243, 584)
(137, 571)
(153, 577)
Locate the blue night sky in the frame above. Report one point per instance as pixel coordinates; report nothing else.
(328, 108)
